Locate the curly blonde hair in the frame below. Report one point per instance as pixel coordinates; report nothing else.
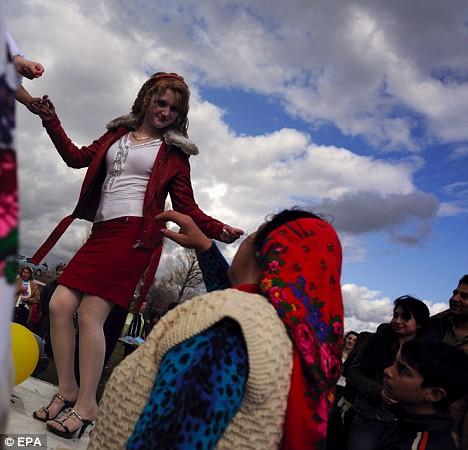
(157, 84)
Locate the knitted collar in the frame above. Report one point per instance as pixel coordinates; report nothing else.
(170, 137)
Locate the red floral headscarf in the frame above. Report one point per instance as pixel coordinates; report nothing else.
(300, 274)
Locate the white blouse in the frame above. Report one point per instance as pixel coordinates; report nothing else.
(128, 168)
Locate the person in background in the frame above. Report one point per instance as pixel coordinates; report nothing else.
(372, 406)
(151, 317)
(43, 329)
(152, 320)
(451, 326)
(337, 435)
(348, 345)
(425, 378)
(27, 295)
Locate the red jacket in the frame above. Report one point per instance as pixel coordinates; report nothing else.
(170, 174)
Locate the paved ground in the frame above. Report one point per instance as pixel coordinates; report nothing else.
(28, 397)
(36, 392)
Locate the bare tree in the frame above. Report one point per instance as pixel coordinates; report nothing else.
(160, 296)
(186, 277)
(183, 281)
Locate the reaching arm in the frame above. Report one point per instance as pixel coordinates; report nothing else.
(212, 263)
(214, 269)
(25, 98)
(25, 67)
(72, 155)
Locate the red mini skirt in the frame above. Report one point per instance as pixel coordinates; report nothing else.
(108, 264)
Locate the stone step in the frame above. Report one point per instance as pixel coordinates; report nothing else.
(27, 397)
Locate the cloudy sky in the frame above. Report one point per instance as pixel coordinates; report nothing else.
(356, 109)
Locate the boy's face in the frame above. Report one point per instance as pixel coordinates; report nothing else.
(403, 383)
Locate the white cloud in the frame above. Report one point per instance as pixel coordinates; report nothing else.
(448, 209)
(459, 153)
(368, 306)
(95, 75)
(457, 191)
(348, 63)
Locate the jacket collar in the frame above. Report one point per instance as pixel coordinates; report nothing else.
(170, 137)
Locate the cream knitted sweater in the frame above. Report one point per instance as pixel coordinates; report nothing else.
(259, 422)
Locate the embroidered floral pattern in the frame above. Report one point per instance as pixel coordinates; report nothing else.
(7, 113)
(301, 266)
(117, 165)
(8, 183)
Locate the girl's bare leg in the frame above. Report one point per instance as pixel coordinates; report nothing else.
(63, 305)
(92, 314)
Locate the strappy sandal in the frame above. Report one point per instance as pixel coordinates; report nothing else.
(67, 433)
(66, 404)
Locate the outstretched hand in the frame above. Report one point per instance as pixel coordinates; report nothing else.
(230, 234)
(43, 107)
(27, 68)
(189, 235)
(24, 97)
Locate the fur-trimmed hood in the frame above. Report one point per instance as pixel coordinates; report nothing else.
(170, 137)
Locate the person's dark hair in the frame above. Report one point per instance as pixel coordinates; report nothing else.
(463, 280)
(154, 315)
(172, 305)
(28, 269)
(351, 332)
(277, 220)
(441, 365)
(413, 307)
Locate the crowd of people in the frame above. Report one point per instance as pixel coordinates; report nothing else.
(257, 362)
(32, 302)
(403, 385)
(382, 390)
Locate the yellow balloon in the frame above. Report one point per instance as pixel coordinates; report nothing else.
(24, 351)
